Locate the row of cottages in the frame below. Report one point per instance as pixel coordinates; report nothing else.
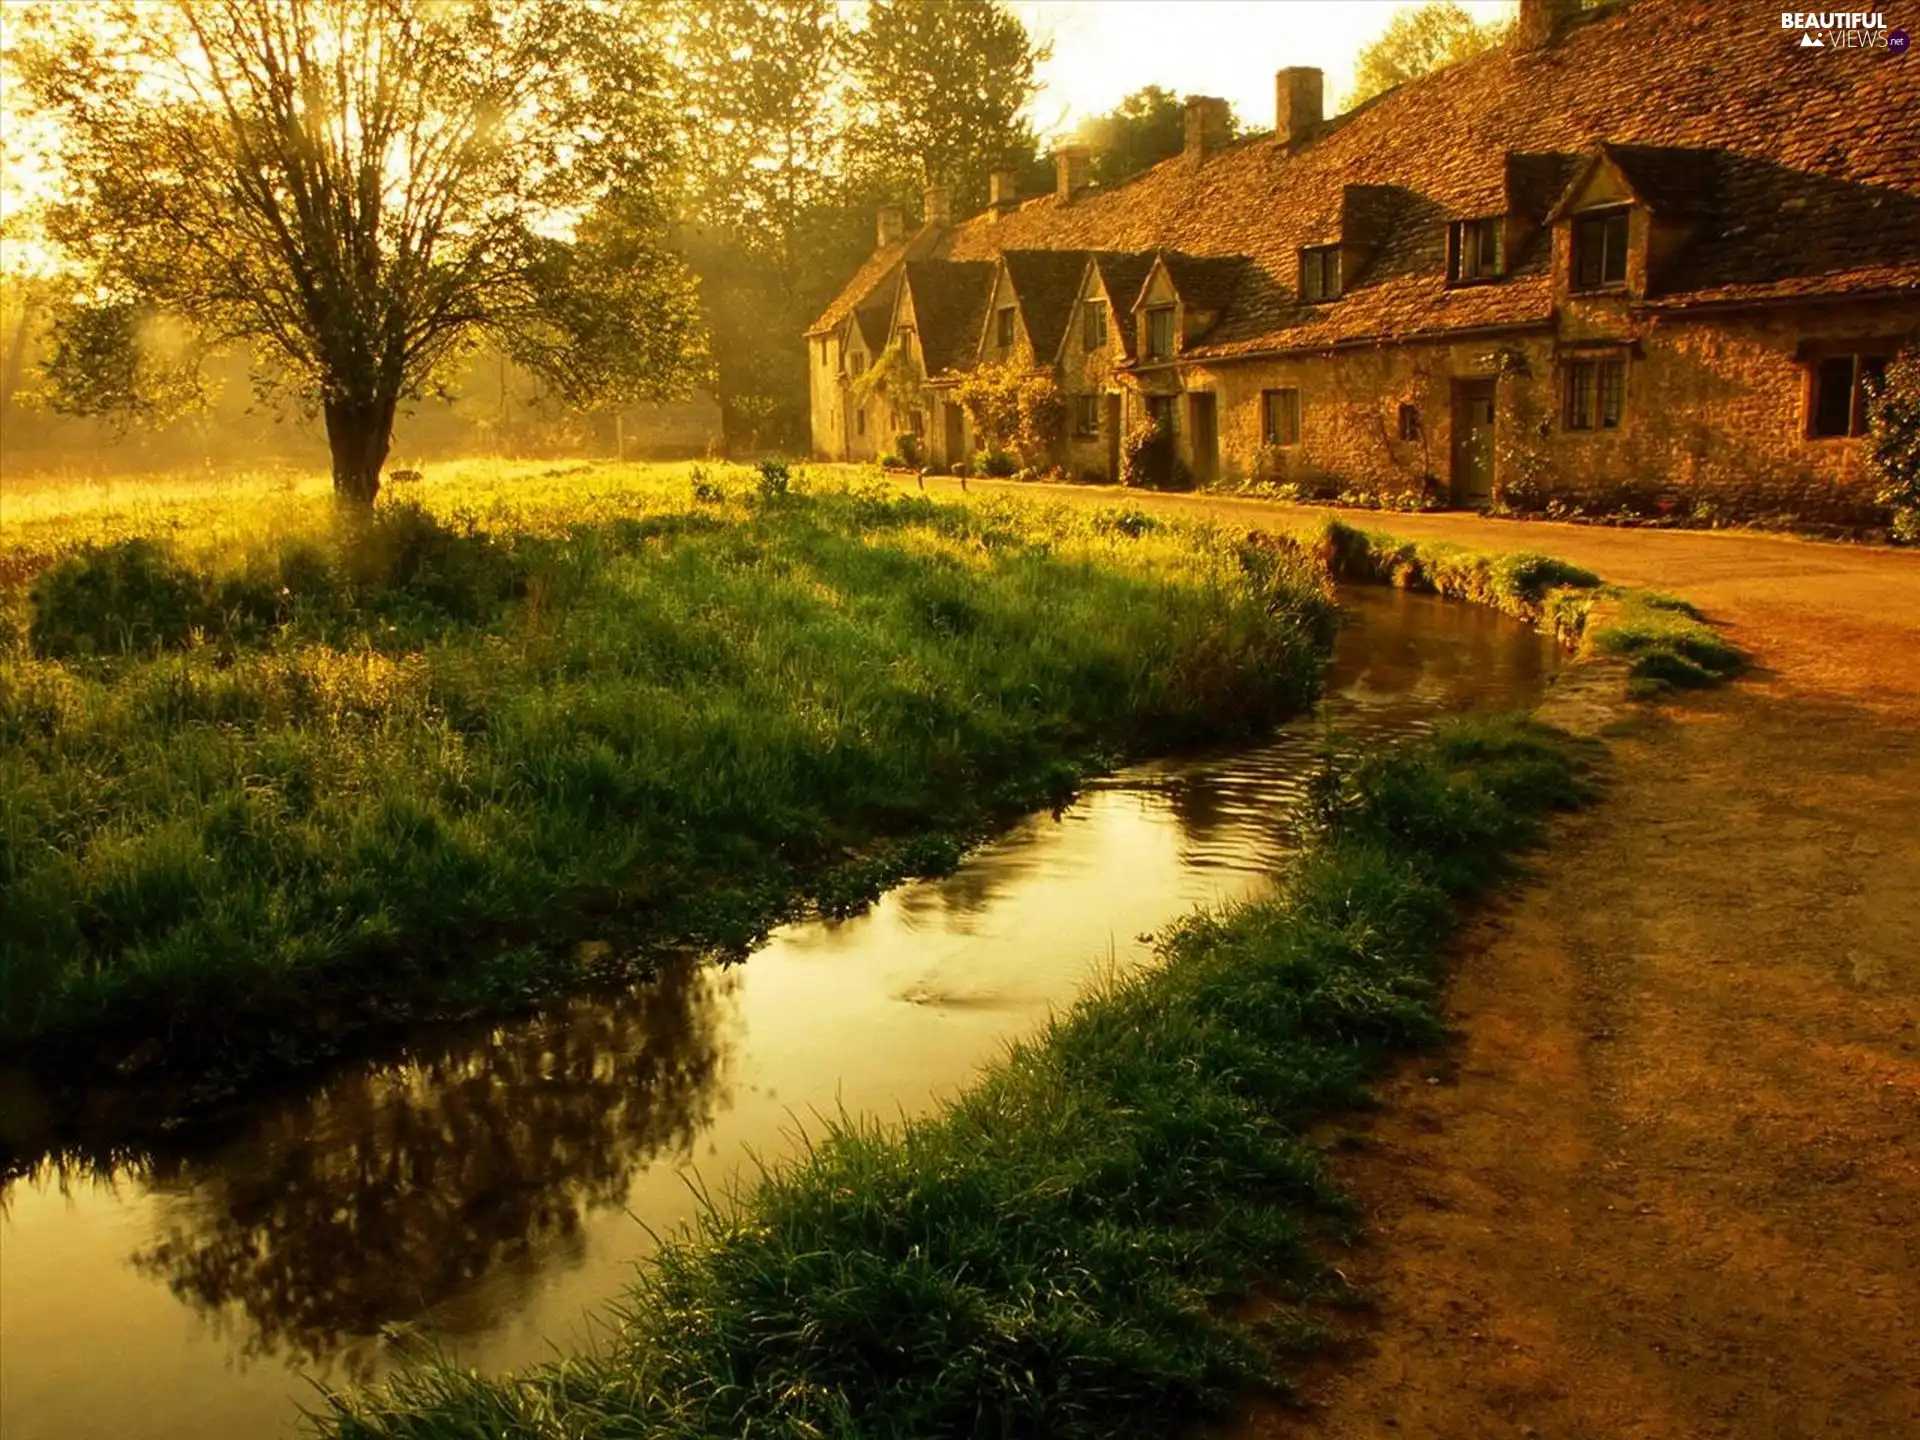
(1645, 255)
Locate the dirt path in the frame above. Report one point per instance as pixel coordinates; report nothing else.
(1667, 1182)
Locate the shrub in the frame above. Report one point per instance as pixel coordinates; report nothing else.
(1015, 410)
(403, 557)
(1150, 461)
(997, 464)
(706, 491)
(907, 446)
(129, 597)
(1893, 443)
(776, 479)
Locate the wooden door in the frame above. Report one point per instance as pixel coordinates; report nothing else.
(1112, 420)
(1205, 431)
(1473, 442)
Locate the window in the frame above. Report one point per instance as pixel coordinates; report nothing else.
(860, 421)
(1320, 273)
(1600, 250)
(1837, 403)
(1596, 394)
(858, 364)
(1086, 416)
(1003, 327)
(917, 422)
(1093, 325)
(1280, 417)
(823, 353)
(1161, 411)
(1473, 251)
(1160, 332)
(1409, 422)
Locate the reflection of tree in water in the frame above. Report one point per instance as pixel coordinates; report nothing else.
(391, 1190)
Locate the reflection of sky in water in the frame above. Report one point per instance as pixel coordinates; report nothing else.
(481, 1189)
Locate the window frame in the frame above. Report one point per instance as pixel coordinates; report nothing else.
(1604, 219)
(1086, 417)
(1409, 422)
(1861, 362)
(1271, 433)
(1166, 313)
(1163, 412)
(1319, 261)
(1458, 249)
(1004, 329)
(1593, 393)
(1093, 325)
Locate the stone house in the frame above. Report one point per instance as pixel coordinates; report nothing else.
(1647, 255)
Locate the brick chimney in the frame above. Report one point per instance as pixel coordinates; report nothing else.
(1070, 171)
(1297, 109)
(938, 202)
(1206, 126)
(1003, 191)
(1540, 21)
(893, 224)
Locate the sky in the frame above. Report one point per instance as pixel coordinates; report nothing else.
(1105, 49)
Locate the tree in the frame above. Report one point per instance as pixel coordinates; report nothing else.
(944, 84)
(1893, 442)
(1418, 42)
(1149, 126)
(365, 188)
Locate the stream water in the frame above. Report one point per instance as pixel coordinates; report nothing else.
(495, 1185)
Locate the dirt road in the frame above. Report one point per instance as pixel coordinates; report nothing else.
(1667, 1181)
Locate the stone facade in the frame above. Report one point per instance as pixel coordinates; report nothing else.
(1638, 260)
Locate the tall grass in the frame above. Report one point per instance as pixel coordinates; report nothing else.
(268, 767)
(1061, 1252)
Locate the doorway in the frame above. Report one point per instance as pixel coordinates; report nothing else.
(956, 437)
(1205, 429)
(1112, 422)
(1473, 443)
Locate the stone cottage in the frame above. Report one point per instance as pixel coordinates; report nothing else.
(1645, 255)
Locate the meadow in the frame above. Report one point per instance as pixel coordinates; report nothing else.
(269, 774)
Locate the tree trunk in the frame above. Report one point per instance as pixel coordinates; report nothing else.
(359, 432)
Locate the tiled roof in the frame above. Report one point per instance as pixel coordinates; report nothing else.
(1810, 158)
(1046, 283)
(949, 307)
(1121, 275)
(1204, 282)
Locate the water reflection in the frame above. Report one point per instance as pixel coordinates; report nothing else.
(390, 1191)
(480, 1188)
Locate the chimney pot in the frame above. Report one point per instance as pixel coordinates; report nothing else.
(1207, 126)
(1003, 190)
(938, 204)
(1297, 103)
(1540, 21)
(1070, 171)
(893, 224)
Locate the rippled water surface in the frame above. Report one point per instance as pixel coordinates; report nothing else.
(497, 1185)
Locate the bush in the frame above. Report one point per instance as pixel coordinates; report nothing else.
(1893, 443)
(706, 491)
(402, 558)
(1150, 461)
(129, 597)
(776, 480)
(997, 464)
(1014, 410)
(907, 446)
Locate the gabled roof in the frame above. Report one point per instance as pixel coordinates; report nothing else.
(1815, 180)
(1204, 282)
(1046, 283)
(1122, 275)
(875, 316)
(949, 305)
(1669, 180)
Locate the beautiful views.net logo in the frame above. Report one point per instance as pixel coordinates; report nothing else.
(1844, 30)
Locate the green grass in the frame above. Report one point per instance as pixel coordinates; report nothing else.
(1062, 1252)
(262, 769)
(1665, 642)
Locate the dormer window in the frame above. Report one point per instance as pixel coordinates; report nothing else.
(1093, 325)
(1003, 327)
(1320, 273)
(1600, 249)
(1473, 251)
(1160, 332)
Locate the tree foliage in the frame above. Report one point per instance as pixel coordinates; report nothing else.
(1015, 411)
(365, 187)
(1418, 42)
(1148, 126)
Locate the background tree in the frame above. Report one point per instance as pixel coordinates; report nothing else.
(1149, 126)
(944, 84)
(364, 188)
(1418, 42)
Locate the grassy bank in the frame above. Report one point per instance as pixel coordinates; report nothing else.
(1060, 1252)
(266, 774)
(1663, 640)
